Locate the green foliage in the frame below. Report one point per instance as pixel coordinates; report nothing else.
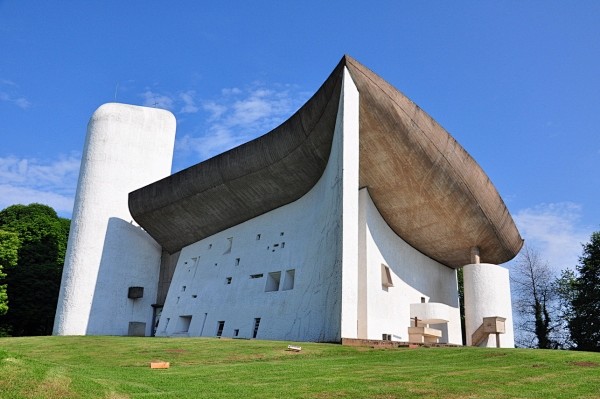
(33, 284)
(118, 367)
(584, 320)
(9, 247)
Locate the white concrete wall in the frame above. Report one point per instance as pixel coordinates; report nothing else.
(487, 294)
(386, 310)
(126, 148)
(312, 236)
(349, 162)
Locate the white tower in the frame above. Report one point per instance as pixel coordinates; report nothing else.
(127, 147)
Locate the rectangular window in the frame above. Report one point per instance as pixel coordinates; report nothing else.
(260, 275)
(236, 332)
(256, 324)
(228, 280)
(288, 282)
(220, 327)
(273, 280)
(386, 276)
(184, 323)
(237, 261)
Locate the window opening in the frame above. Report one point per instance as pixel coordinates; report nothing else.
(194, 296)
(236, 332)
(283, 245)
(229, 245)
(386, 276)
(209, 246)
(228, 280)
(184, 323)
(237, 261)
(183, 287)
(257, 237)
(273, 280)
(422, 299)
(256, 275)
(288, 283)
(281, 233)
(220, 326)
(256, 324)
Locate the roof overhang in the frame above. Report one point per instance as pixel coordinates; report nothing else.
(426, 186)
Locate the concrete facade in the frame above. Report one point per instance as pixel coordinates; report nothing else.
(347, 221)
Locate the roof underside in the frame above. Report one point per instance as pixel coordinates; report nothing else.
(425, 185)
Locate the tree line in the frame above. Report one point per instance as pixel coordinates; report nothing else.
(558, 312)
(33, 242)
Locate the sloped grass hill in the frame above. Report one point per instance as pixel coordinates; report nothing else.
(118, 367)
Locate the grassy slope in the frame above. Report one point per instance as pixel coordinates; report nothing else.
(118, 367)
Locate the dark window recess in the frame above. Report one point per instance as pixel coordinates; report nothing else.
(288, 282)
(386, 337)
(281, 233)
(135, 292)
(184, 323)
(228, 280)
(386, 277)
(273, 280)
(236, 332)
(257, 237)
(237, 261)
(256, 275)
(256, 324)
(220, 326)
(283, 245)
(229, 245)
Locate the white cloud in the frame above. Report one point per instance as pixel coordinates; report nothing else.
(239, 115)
(9, 93)
(152, 99)
(189, 106)
(51, 182)
(555, 231)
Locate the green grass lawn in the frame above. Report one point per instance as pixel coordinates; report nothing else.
(118, 367)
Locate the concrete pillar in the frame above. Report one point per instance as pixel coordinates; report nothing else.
(487, 294)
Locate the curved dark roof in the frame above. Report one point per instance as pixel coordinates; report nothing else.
(425, 185)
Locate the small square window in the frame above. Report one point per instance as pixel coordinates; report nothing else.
(228, 280)
(273, 280)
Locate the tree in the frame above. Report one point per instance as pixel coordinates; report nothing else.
(33, 284)
(9, 247)
(535, 301)
(584, 319)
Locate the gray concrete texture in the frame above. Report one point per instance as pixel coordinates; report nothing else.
(429, 190)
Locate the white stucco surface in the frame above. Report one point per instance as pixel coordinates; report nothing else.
(386, 310)
(126, 148)
(487, 294)
(225, 277)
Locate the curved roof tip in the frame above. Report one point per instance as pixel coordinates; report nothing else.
(443, 204)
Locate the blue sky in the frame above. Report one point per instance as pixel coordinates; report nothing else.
(517, 83)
